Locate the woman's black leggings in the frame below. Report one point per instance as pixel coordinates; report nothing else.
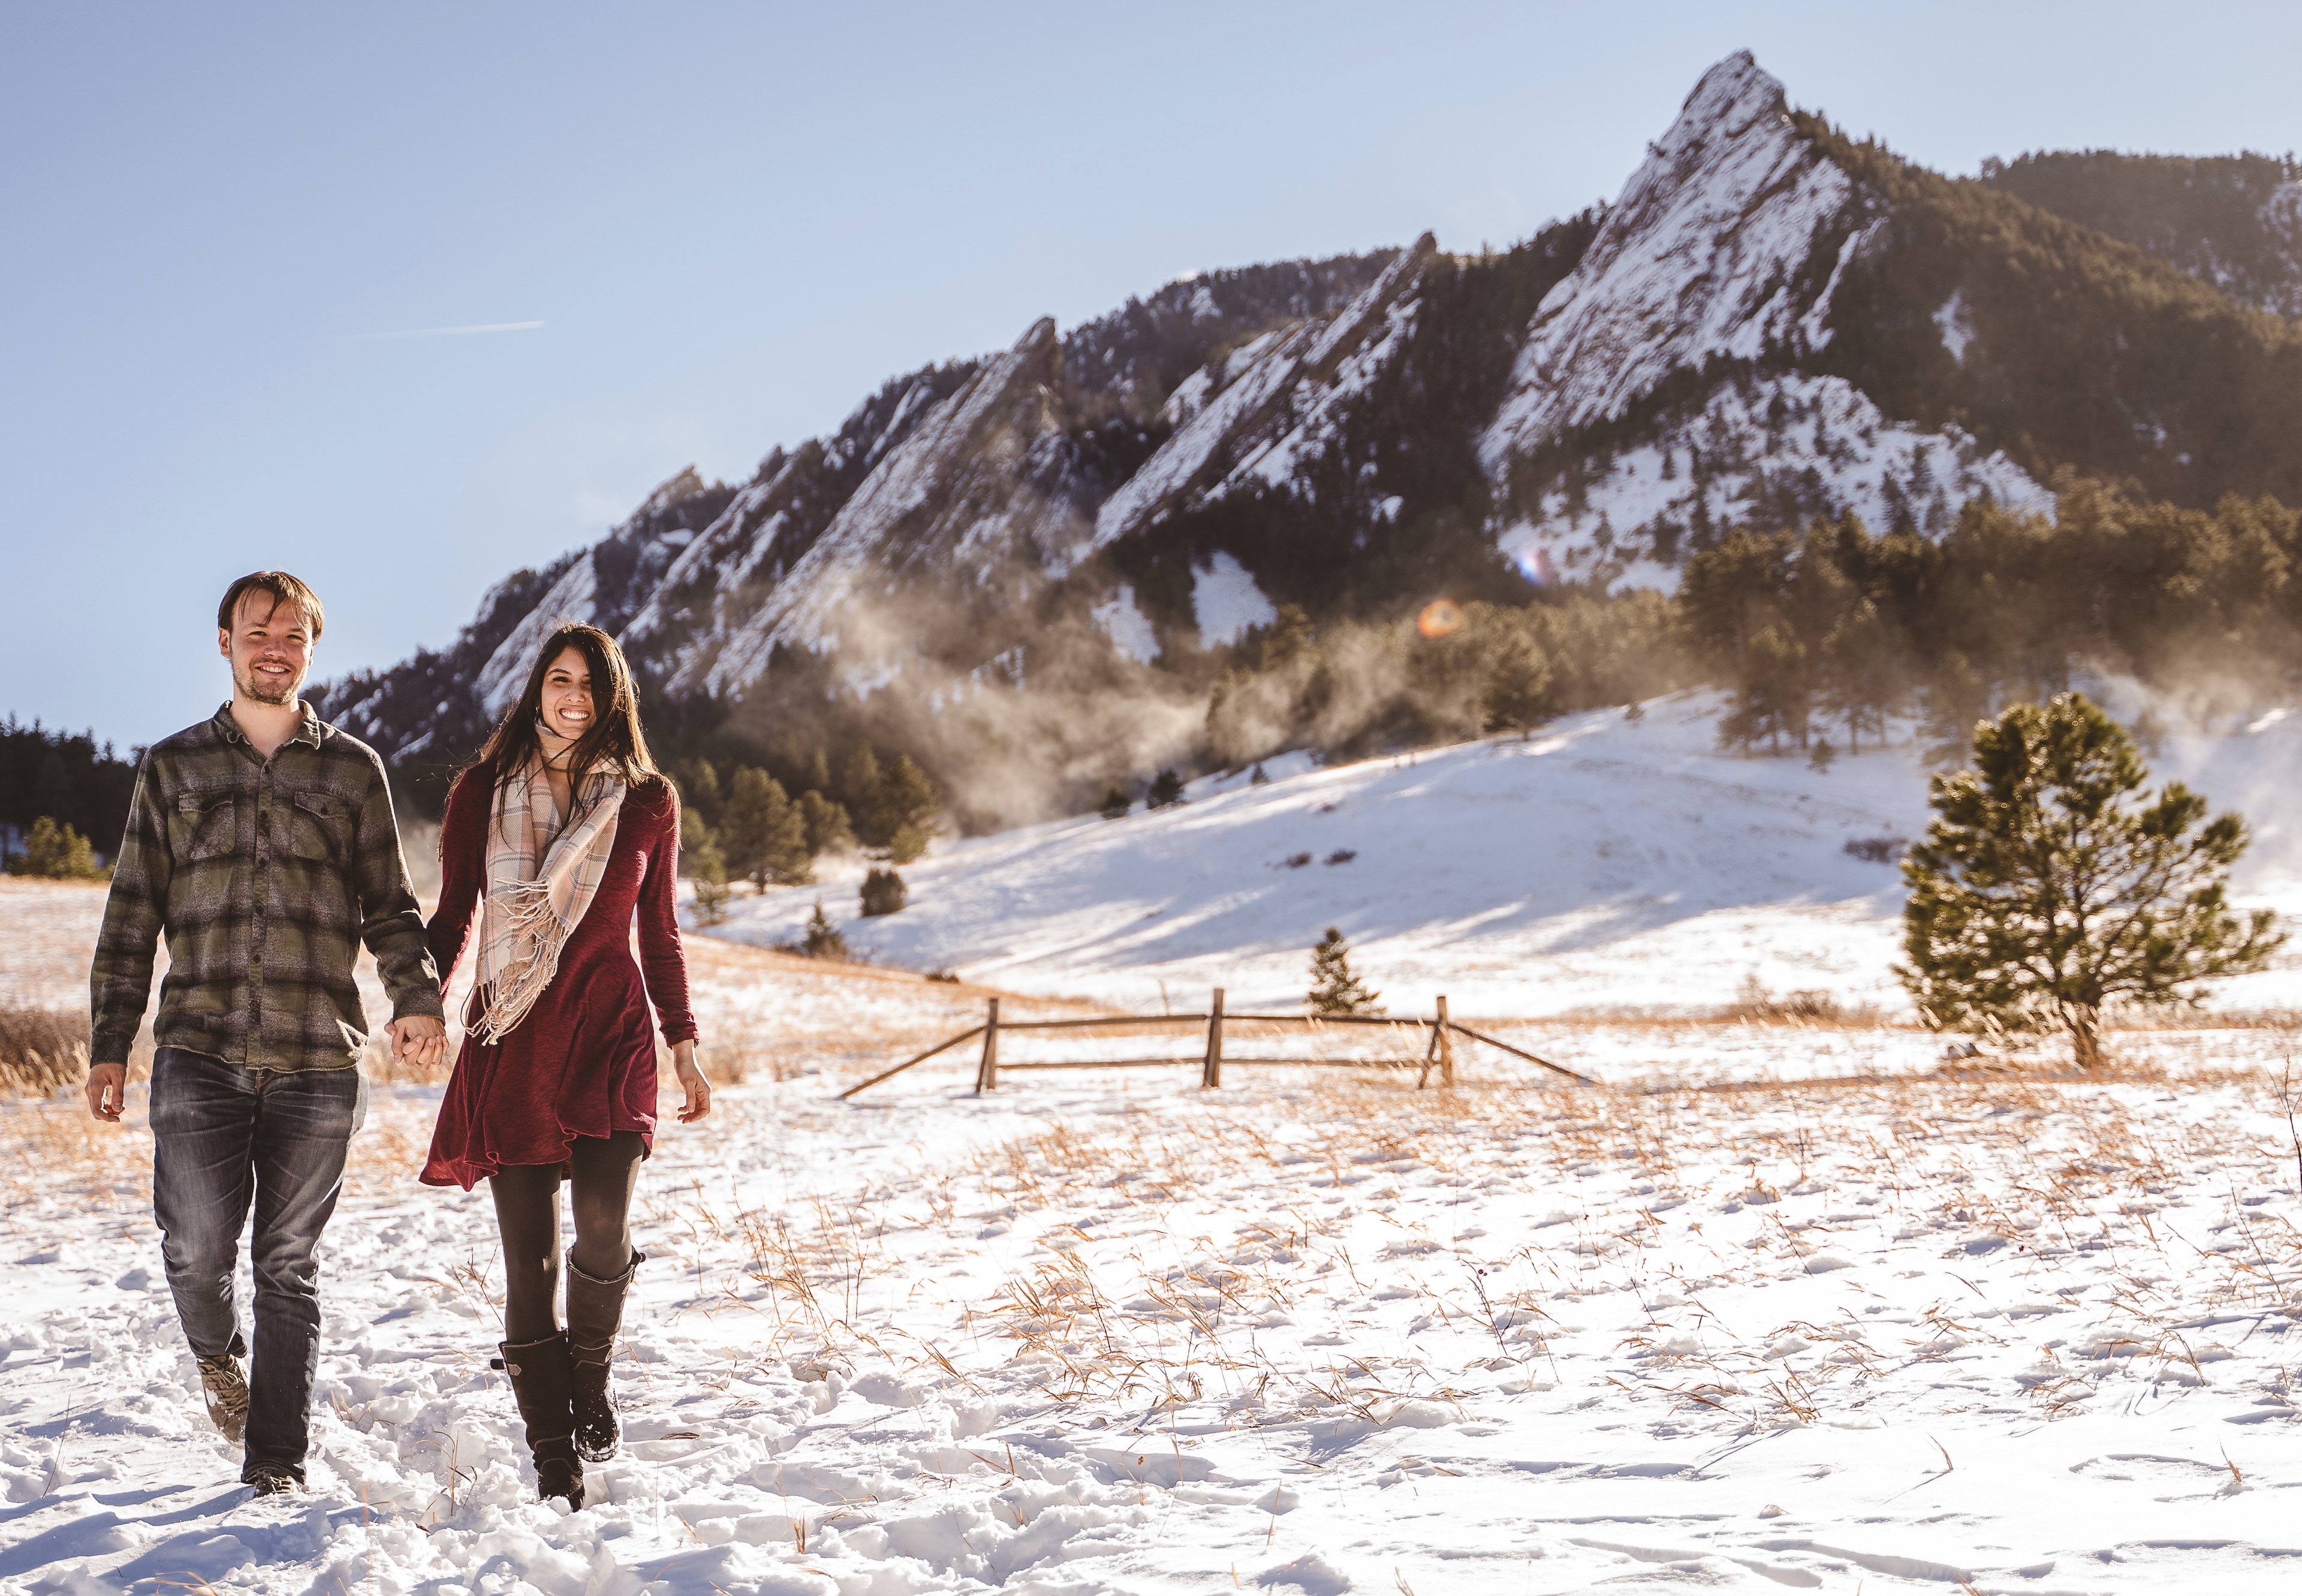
(601, 1175)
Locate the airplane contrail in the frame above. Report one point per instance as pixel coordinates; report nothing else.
(451, 331)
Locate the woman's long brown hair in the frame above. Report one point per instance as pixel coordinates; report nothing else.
(614, 739)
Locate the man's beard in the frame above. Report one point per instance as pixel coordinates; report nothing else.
(252, 686)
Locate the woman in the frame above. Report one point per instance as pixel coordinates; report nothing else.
(560, 832)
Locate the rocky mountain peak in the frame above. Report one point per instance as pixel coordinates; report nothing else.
(1695, 262)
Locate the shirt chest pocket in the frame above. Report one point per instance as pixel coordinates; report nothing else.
(318, 827)
(202, 827)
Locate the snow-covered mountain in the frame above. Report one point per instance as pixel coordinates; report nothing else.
(1769, 325)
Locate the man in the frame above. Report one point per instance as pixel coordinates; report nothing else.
(261, 842)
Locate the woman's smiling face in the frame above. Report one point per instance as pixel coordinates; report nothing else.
(567, 708)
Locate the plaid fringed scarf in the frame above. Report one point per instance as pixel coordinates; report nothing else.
(531, 909)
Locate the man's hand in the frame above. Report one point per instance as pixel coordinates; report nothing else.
(419, 1041)
(107, 1090)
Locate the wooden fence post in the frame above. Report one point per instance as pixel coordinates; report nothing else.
(1212, 1074)
(1446, 1048)
(987, 1073)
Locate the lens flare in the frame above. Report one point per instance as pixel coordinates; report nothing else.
(1440, 617)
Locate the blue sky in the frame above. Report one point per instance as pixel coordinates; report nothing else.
(733, 222)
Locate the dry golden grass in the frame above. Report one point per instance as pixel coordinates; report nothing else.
(2050, 1162)
(42, 1049)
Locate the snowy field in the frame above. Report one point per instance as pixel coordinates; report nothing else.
(1108, 1333)
(1602, 865)
(1771, 1306)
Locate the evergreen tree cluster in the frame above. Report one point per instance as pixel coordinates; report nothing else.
(2214, 217)
(69, 778)
(1832, 625)
(58, 853)
(2085, 353)
(745, 824)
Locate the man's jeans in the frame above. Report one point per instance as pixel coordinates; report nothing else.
(222, 1135)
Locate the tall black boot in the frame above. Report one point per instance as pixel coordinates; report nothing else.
(595, 1313)
(540, 1378)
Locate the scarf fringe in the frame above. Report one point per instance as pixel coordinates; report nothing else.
(521, 934)
(527, 910)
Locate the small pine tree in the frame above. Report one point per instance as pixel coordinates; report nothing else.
(1862, 672)
(1259, 778)
(1514, 695)
(1634, 712)
(2048, 886)
(699, 793)
(823, 939)
(1166, 790)
(884, 893)
(1116, 803)
(58, 852)
(1773, 696)
(825, 821)
(859, 786)
(762, 834)
(906, 811)
(1822, 757)
(1335, 988)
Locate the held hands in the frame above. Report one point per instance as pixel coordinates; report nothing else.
(419, 1041)
(698, 1101)
(107, 1090)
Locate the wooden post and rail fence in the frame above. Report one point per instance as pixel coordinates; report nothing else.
(1437, 1055)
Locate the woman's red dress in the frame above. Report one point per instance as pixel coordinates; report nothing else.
(581, 1062)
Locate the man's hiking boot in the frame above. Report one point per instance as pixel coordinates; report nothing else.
(226, 1390)
(540, 1379)
(595, 1313)
(271, 1480)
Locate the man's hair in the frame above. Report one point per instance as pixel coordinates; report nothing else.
(283, 588)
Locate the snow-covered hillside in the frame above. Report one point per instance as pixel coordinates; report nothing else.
(1599, 864)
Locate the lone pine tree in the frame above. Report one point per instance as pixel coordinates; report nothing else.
(824, 940)
(906, 811)
(2050, 886)
(1335, 988)
(762, 832)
